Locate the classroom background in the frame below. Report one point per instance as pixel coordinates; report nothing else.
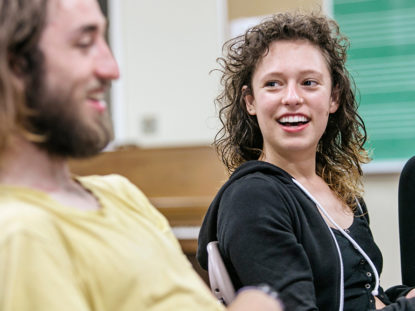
(163, 104)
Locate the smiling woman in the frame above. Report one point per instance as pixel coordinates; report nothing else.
(291, 96)
(292, 215)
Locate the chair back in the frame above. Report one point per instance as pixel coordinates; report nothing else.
(220, 282)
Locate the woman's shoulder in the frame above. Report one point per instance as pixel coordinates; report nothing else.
(260, 175)
(264, 189)
(259, 182)
(260, 172)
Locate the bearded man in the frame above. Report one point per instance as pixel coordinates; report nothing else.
(67, 242)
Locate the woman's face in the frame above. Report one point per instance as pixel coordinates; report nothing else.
(292, 98)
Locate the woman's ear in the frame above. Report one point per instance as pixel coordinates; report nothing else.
(334, 100)
(249, 100)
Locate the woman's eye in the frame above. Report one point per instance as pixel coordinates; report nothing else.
(310, 83)
(272, 84)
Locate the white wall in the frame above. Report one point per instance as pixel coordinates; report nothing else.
(166, 50)
(381, 196)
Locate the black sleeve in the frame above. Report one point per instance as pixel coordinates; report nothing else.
(406, 222)
(398, 291)
(402, 304)
(257, 238)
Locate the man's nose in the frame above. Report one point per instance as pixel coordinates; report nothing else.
(106, 66)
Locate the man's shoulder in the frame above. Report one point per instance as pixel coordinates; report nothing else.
(110, 180)
(113, 183)
(117, 188)
(22, 219)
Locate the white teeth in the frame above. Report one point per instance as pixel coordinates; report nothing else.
(293, 119)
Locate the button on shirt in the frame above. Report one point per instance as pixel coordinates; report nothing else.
(359, 280)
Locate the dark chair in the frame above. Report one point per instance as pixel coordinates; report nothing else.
(407, 222)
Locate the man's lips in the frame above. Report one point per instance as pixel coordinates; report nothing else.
(98, 104)
(96, 98)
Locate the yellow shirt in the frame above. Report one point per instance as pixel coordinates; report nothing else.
(122, 257)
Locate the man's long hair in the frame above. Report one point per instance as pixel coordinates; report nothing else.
(21, 25)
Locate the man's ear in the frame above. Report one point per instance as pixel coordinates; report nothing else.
(18, 65)
(249, 100)
(334, 100)
(16, 71)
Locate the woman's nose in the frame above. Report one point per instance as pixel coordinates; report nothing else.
(292, 96)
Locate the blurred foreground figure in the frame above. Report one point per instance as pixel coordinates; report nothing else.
(66, 242)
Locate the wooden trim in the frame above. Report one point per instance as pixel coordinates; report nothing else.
(180, 182)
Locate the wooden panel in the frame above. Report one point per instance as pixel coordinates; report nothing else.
(247, 8)
(161, 172)
(188, 246)
(180, 182)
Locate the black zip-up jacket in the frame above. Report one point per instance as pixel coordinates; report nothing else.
(272, 232)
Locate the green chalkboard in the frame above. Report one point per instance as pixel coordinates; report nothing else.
(382, 62)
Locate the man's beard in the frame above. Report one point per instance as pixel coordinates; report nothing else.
(57, 118)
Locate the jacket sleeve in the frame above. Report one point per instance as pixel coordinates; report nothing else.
(402, 304)
(257, 239)
(398, 291)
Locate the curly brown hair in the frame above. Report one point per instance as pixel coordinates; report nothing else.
(21, 25)
(340, 151)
